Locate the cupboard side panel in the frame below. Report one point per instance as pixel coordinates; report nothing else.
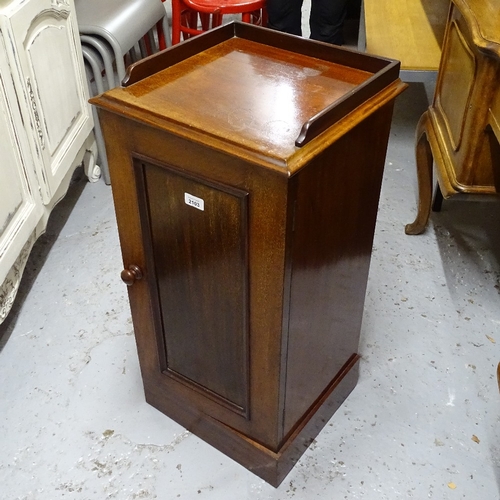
(457, 76)
(334, 222)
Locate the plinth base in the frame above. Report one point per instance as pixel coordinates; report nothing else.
(272, 466)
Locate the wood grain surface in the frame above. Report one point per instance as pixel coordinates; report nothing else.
(410, 31)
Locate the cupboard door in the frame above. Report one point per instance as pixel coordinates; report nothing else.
(198, 237)
(20, 206)
(47, 46)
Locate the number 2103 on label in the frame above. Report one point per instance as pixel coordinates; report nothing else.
(194, 201)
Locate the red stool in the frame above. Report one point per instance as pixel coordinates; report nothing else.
(192, 17)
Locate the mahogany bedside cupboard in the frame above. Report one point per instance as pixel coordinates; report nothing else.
(246, 168)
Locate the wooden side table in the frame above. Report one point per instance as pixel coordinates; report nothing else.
(460, 131)
(246, 168)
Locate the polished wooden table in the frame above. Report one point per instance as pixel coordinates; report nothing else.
(246, 168)
(460, 131)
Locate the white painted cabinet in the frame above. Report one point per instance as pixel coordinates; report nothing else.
(45, 125)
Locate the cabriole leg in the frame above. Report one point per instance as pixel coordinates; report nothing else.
(424, 160)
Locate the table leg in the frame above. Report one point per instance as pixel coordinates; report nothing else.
(424, 160)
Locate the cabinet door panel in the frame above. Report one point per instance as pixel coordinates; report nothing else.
(54, 86)
(58, 96)
(199, 245)
(19, 212)
(455, 85)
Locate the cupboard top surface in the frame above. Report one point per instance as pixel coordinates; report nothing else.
(254, 96)
(250, 87)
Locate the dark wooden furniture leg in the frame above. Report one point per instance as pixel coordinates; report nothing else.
(424, 160)
(437, 201)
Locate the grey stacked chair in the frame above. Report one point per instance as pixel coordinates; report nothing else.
(94, 66)
(114, 33)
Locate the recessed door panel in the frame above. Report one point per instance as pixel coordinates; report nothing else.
(199, 245)
(456, 81)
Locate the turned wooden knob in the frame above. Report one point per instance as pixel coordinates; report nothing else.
(131, 275)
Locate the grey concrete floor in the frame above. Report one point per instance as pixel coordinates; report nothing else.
(423, 421)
